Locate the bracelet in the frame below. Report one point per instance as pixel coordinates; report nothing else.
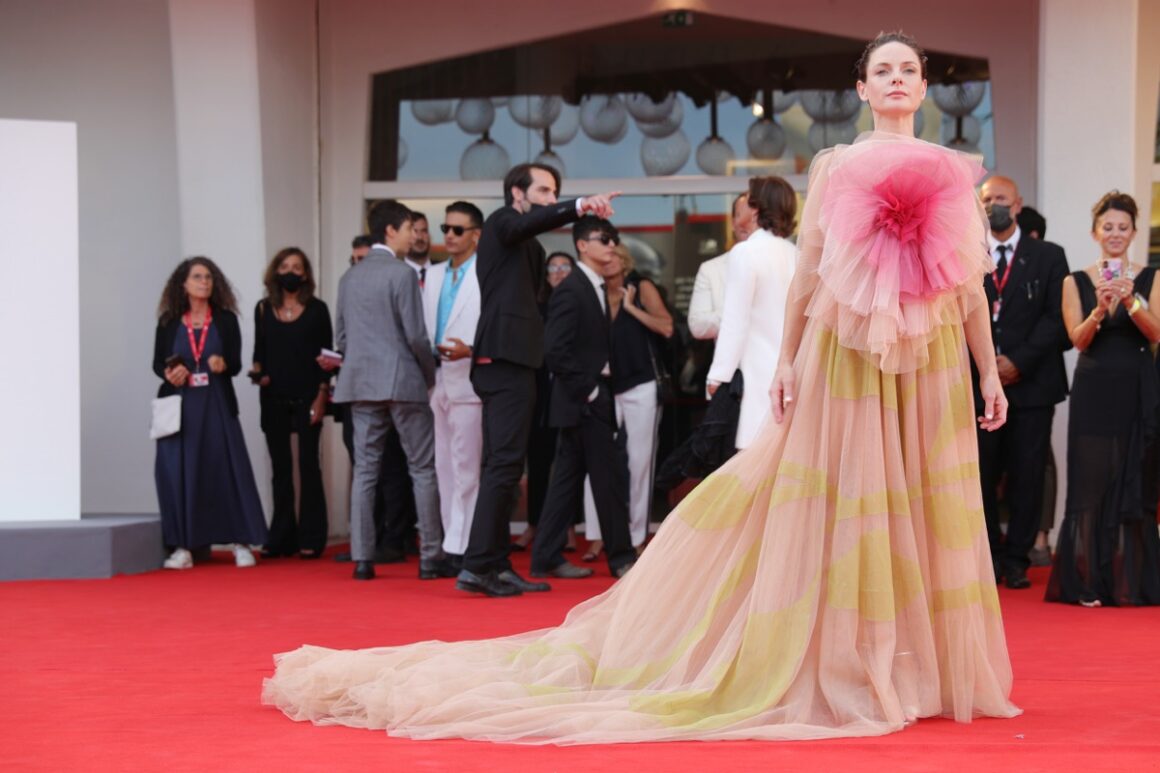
(1136, 306)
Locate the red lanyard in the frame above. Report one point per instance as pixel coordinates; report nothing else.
(199, 347)
(1001, 283)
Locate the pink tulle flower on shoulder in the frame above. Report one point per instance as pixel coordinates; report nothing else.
(895, 213)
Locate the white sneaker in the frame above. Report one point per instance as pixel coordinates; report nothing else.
(179, 559)
(243, 558)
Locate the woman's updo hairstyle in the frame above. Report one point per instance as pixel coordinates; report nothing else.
(861, 67)
(1121, 202)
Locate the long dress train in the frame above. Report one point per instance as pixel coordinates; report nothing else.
(843, 575)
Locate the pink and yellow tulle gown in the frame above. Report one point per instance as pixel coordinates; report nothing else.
(838, 575)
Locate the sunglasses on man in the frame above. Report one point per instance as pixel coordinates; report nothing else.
(605, 239)
(458, 230)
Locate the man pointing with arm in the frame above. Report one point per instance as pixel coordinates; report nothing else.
(508, 348)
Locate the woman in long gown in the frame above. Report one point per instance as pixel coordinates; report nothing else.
(843, 576)
(1109, 551)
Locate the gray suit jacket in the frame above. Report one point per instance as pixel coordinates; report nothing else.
(381, 333)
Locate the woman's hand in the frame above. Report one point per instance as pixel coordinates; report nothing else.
(783, 391)
(328, 364)
(177, 375)
(994, 403)
(629, 294)
(1123, 288)
(318, 408)
(217, 364)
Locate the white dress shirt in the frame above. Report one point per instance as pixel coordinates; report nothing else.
(993, 244)
(597, 285)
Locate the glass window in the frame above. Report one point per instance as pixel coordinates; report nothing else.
(711, 96)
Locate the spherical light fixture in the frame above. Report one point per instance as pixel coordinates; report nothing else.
(432, 112)
(665, 155)
(603, 118)
(484, 159)
(533, 112)
(475, 116)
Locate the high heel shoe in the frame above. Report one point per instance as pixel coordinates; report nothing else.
(595, 548)
(524, 541)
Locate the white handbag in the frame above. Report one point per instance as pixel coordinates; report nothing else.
(166, 417)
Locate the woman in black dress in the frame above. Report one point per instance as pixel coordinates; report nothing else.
(291, 328)
(205, 485)
(1109, 551)
(542, 439)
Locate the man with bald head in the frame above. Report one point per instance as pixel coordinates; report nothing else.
(1024, 291)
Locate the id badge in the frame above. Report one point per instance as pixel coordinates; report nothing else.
(199, 379)
(996, 307)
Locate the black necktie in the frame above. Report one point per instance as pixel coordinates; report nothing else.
(1001, 266)
(423, 277)
(607, 305)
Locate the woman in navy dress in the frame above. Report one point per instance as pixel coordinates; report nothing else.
(205, 485)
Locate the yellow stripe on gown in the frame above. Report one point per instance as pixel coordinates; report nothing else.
(830, 581)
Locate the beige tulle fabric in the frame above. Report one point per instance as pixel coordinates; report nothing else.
(834, 579)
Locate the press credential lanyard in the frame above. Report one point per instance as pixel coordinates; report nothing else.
(198, 348)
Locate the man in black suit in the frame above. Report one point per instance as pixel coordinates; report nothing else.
(577, 350)
(1027, 326)
(508, 348)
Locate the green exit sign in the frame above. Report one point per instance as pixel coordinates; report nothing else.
(677, 19)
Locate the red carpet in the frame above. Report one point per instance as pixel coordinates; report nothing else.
(163, 671)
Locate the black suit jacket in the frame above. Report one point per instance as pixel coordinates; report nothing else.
(510, 266)
(231, 334)
(576, 347)
(1030, 329)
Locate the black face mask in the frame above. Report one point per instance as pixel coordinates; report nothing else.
(291, 282)
(999, 216)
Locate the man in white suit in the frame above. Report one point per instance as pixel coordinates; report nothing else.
(760, 272)
(451, 311)
(709, 286)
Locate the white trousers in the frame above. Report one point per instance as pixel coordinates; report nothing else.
(458, 451)
(637, 412)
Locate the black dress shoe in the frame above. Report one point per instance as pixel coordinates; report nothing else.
(436, 569)
(565, 571)
(1016, 578)
(622, 570)
(511, 578)
(308, 554)
(389, 555)
(364, 570)
(488, 584)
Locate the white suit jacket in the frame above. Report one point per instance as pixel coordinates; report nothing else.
(756, 288)
(708, 298)
(461, 323)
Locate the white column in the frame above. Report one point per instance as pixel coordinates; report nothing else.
(40, 446)
(219, 152)
(1087, 115)
(1097, 115)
